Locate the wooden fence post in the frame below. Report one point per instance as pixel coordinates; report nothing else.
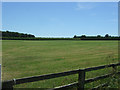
(7, 85)
(114, 69)
(81, 79)
(7, 88)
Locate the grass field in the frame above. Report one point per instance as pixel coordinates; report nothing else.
(29, 58)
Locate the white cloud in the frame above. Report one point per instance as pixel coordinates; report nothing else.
(84, 6)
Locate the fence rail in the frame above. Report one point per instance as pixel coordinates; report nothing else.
(81, 79)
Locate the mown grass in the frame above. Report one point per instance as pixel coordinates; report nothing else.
(22, 58)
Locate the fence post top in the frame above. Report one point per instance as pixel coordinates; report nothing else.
(81, 69)
(14, 80)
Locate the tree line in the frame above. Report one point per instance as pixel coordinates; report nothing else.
(98, 37)
(15, 34)
(8, 35)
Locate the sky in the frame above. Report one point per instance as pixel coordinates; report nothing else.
(61, 19)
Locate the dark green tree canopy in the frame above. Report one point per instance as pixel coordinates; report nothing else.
(15, 34)
(107, 35)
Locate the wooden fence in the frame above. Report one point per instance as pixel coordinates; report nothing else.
(81, 79)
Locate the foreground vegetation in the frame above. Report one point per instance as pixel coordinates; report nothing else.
(29, 58)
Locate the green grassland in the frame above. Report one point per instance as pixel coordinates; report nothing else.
(22, 58)
(0, 51)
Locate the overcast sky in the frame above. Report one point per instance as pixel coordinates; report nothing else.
(61, 19)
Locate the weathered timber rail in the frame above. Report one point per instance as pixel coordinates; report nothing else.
(81, 78)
